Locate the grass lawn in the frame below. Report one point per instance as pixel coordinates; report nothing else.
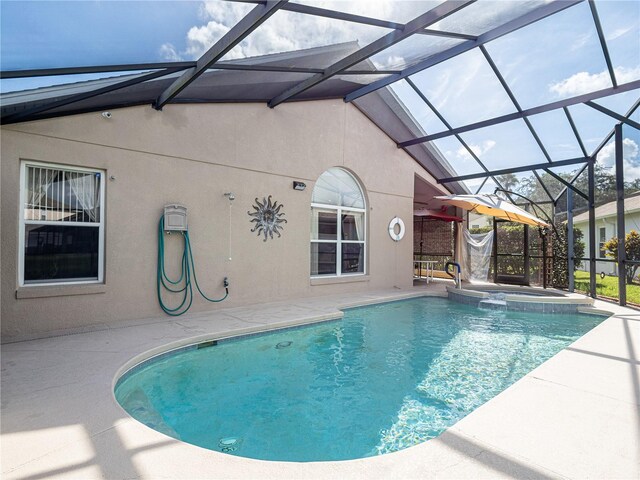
(607, 287)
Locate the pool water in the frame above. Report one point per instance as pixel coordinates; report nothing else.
(384, 378)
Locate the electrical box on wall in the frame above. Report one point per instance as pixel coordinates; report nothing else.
(175, 218)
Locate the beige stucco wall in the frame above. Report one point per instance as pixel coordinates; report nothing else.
(192, 154)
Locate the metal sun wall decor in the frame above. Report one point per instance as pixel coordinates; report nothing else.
(267, 218)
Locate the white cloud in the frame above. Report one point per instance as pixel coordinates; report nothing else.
(630, 155)
(474, 183)
(585, 82)
(479, 150)
(283, 31)
(451, 86)
(619, 32)
(169, 53)
(580, 41)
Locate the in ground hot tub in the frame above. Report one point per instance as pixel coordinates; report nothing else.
(523, 299)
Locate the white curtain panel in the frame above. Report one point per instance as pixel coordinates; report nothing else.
(474, 255)
(359, 218)
(85, 188)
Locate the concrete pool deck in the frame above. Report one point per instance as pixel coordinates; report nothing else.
(575, 416)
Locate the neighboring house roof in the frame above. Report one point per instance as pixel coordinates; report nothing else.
(631, 205)
(382, 107)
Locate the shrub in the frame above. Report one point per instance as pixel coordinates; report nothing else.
(632, 249)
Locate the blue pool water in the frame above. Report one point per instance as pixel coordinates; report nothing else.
(384, 378)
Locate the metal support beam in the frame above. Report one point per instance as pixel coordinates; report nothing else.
(535, 205)
(130, 67)
(442, 33)
(263, 68)
(235, 35)
(527, 256)
(482, 185)
(516, 24)
(227, 65)
(571, 261)
(526, 113)
(630, 112)
(363, 20)
(622, 254)
(544, 187)
(277, 69)
(572, 181)
(458, 137)
(548, 259)
(337, 15)
(526, 168)
(592, 230)
(526, 204)
(613, 114)
(513, 99)
(544, 261)
(575, 131)
(567, 184)
(613, 130)
(83, 96)
(495, 250)
(432, 16)
(603, 42)
(327, 13)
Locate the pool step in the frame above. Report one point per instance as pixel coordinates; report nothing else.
(493, 304)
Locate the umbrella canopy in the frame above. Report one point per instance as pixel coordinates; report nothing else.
(494, 206)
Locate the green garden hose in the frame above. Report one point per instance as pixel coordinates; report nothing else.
(187, 270)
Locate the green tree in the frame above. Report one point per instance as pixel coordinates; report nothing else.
(632, 187)
(508, 181)
(604, 182)
(560, 270)
(632, 249)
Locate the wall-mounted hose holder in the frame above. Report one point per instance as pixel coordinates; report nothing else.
(184, 284)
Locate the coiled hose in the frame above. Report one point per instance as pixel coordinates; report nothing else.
(187, 270)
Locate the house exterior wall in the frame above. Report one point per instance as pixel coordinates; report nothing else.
(192, 155)
(632, 222)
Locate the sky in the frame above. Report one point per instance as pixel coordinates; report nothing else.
(555, 58)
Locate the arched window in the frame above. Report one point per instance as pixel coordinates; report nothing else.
(338, 224)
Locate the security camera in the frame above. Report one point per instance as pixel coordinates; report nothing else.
(106, 114)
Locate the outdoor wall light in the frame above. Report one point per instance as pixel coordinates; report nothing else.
(106, 115)
(299, 185)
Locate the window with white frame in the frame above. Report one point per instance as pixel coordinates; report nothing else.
(338, 225)
(603, 239)
(61, 224)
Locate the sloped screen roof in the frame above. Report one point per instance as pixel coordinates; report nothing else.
(471, 89)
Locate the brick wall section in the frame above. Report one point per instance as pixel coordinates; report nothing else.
(436, 237)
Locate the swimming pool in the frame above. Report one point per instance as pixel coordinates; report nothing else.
(383, 378)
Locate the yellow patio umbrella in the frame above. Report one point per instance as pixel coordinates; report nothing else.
(492, 205)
